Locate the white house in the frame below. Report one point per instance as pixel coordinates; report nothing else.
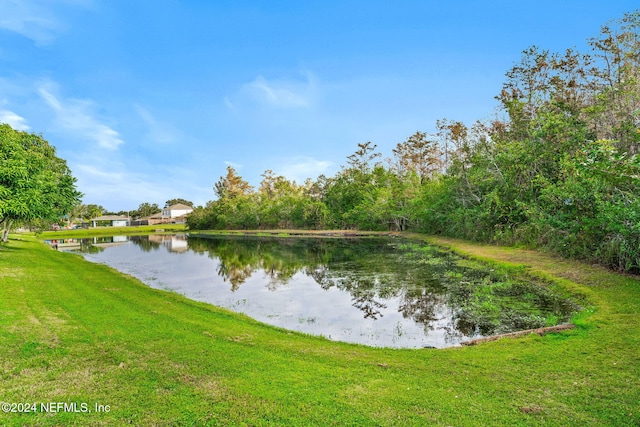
(113, 220)
(176, 213)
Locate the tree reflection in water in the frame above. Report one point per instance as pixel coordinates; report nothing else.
(433, 287)
(403, 292)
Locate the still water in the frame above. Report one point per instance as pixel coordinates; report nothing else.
(375, 291)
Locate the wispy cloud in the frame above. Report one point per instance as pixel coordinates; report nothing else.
(108, 183)
(157, 131)
(285, 94)
(37, 20)
(300, 168)
(14, 120)
(77, 116)
(114, 185)
(277, 93)
(31, 19)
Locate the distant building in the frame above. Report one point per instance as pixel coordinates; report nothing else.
(149, 220)
(111, 220)
(176, 214)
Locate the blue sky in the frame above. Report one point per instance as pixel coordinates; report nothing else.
(151, 100)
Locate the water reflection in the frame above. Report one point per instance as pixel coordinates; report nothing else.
(173, 243)
(378, 292)
(93, 244)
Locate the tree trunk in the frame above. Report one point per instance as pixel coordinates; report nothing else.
(5, 230)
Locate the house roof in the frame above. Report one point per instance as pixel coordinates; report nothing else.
(154, 216)
(179, 206)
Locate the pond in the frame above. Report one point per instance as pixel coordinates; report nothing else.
(380, 292)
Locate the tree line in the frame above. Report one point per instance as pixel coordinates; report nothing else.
(559, 170)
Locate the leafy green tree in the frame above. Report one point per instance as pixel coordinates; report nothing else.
(236, 206)
(94, 211)
(177, 201)
(232, 185)
(419, 156)
(146, 209)
(614, 114)
(35, 184)
(281, 202)
(202, 218)
(415, 161)
(79, 211)
(347, 194)
(267, 185)
(561, 170)
(82, 211)
(594, 212)
(363, 159)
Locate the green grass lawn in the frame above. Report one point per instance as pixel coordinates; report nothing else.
(76, 332)
(111, 231)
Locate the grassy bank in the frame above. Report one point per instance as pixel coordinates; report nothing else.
(76, 332)
(110, 231)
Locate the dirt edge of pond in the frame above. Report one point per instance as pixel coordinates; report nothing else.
(296, 233)
(538, 331)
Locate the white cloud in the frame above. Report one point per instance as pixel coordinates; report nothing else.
(13, 120)
(31, 19)
(35, 19)
(278, 93)
(158, 132)
(229, 104)
(111, 185)
(76, 116)
(302, 167)
(108, 182)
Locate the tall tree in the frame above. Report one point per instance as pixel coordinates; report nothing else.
(615, 111)
(86, 211)
(351, 196)
(147, 209)
(418, 155)
(362, 159)
(94, 210)
(232, 185)
(35, 184)
(177, 201)
(284, 204)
